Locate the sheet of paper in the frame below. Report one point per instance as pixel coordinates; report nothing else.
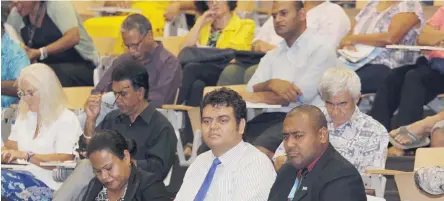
(362, 51)
(414, 48)
(261, 105)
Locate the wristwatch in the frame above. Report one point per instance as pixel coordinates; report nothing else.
(30, 154)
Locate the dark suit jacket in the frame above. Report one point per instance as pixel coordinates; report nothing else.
(333, 178)
(142, 186)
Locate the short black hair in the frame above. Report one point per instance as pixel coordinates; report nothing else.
(135, 73)
(315, 114)
(298, 4)
(201, 6)
(226, 97)
(113, 142)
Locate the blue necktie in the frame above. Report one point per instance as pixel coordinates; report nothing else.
(207, 182)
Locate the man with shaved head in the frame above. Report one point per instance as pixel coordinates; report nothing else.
(315, 170)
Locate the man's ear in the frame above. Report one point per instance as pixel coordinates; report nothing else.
(149, 35)
(141, 93)
(302, 14)
(241, 127)
(323, 135)
(357, 98)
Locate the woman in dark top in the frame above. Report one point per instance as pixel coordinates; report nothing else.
(53, 34)
(117, 178)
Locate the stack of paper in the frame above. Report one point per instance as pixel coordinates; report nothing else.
(362, 52)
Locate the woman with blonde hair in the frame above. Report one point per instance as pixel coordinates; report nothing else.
(44, 131)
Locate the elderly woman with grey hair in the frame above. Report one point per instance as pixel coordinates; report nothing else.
(356, 136)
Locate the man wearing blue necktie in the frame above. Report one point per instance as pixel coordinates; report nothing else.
(232, 169)
(315, 171)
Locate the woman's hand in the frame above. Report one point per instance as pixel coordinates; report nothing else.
(11, 155)
(347, 44)
(208, 17)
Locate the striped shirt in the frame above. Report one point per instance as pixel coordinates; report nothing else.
(244, 174)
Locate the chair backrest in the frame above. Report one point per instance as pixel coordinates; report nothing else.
(77, 96)
(429, 157)
(172, 43)
(104, 45)
(424, 157)
(409, 191)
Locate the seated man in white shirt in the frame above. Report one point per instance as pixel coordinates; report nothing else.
(333, 27)
(287, 75)
(232, 169)
(356, 136)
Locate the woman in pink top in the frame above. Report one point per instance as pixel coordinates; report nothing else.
(410, 87)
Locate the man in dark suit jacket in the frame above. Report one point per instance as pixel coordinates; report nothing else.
(315, 171)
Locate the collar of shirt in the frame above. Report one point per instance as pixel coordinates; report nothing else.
(312, 164)
(301, 42)
(228, 158)
(146, 115)
(154, 55)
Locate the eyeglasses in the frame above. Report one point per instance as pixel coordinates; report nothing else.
(22, 94)
(117, 95)
(135, 45)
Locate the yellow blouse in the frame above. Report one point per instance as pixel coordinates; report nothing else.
(238, 34)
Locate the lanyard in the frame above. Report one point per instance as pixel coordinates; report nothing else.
(31, 29)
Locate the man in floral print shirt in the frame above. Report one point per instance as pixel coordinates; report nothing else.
(356, 136)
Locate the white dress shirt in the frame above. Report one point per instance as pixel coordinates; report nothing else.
(334, 25)
(244, 174)
(330, 21)
(59, 137)
(362, 141)
(302, 64)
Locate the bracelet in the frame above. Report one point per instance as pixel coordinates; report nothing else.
(43, 53)
(86, 137)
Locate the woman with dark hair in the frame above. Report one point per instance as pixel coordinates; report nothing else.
(220, 27)
(53, 34)
(117, 178)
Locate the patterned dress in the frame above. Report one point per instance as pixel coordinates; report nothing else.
(23, 186)
(103, 195)
(371, 21)
(14, 59)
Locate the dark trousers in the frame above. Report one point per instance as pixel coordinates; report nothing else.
(74, 74)
(264, 130)
(372, 75)
(407, 89)
(195, 78)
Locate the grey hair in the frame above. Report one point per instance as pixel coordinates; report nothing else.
(136, 22)
(339, 79)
